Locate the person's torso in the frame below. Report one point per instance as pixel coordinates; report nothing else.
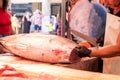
(38, 19)
(14, 21)
(5, 22)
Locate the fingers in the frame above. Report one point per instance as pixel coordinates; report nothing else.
(73, 56)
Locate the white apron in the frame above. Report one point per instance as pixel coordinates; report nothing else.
(111, 65)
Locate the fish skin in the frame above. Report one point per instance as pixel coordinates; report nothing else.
(39, 47)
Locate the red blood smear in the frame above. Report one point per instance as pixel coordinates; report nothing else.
(13, 73)
(6, 70)
(9, 73)
(12, 78)
(5, 67)
(57, 52)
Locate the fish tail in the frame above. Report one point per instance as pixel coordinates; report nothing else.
(1, 48)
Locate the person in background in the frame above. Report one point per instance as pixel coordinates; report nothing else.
(36, 20)
(50, 25)
(32, 22)
(59, 22)
(105, 52)
(20, 24)
(15, 25)
(5, 21)
(26, 22)
(113, 6)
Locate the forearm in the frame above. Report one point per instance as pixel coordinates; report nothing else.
(106, 52)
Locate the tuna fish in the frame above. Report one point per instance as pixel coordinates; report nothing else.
(39, 47)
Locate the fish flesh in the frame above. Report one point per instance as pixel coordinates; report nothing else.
(12, 78)
(39, 47)
(10, 73)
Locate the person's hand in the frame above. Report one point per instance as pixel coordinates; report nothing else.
(79, 52)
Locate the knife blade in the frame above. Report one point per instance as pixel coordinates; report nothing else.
(85, 37)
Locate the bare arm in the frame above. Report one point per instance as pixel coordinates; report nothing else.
(110, 51)
(105, 52)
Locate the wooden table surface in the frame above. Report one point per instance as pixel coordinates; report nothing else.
(32, 68)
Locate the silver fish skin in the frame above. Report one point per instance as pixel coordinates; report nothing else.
(38, 47)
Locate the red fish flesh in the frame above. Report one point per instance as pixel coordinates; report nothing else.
(9, 73)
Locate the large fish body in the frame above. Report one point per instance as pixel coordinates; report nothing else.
(39, 47)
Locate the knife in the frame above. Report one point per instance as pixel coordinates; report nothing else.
(85, 37)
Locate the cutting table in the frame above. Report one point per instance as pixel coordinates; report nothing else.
(33, 68)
